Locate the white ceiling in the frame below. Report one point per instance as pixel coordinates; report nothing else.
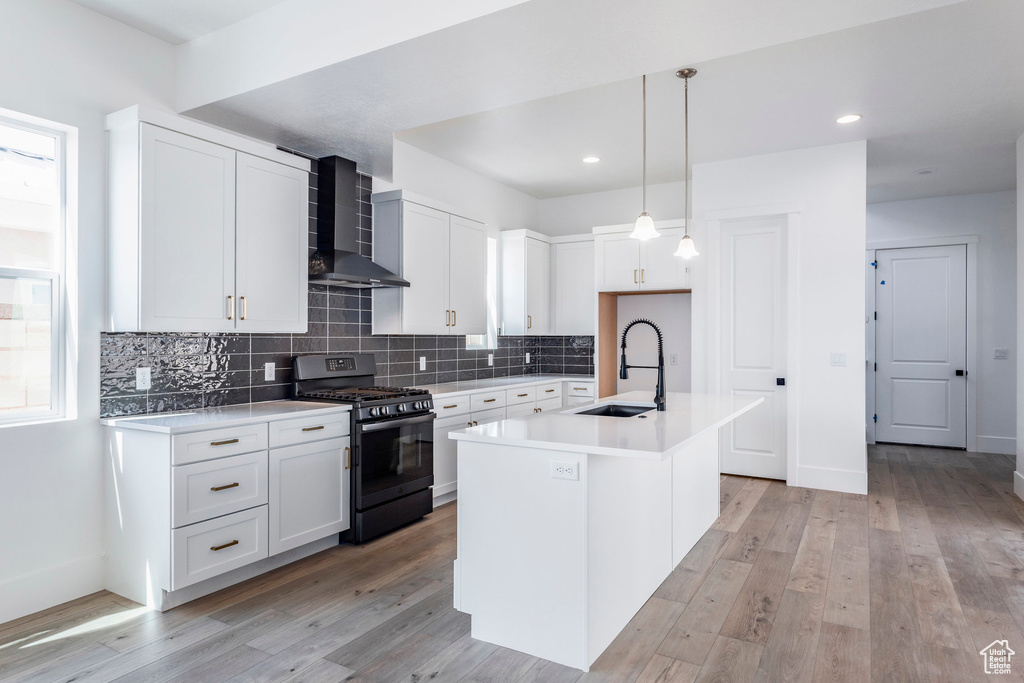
(178, 21)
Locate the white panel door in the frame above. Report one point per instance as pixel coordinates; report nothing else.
(538, 287)
(309, 492)
(574, 288)
(753, 355)
(271, 245)
(468, 288)
(425, 265)
(619, 264)
(187, 240)
(660, 268)
(921, 344)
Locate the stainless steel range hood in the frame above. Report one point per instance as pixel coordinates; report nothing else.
(336, 260)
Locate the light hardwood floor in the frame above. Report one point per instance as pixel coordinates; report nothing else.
(907, 583)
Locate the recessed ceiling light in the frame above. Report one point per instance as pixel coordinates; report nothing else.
(924, 171)
(591, 160)
(849, 118)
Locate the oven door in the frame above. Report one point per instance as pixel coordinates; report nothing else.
(392, 459)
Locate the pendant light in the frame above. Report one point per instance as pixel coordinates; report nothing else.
(687, 249)
(644, 228)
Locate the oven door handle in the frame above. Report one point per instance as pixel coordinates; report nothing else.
(391, 424)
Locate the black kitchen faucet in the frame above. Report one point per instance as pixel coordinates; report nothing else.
(659, 398)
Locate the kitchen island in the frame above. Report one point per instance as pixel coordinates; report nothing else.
(569, 522)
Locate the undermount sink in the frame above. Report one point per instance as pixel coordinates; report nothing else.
(616, 410)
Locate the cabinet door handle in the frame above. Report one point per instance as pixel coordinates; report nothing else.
(529, 322)
(231, 307)
(475, 423)
(490, 400)
(223, 488)
(454, 317)
(634, 277)
(348, 458)
(454, 405)
(221, 547)
(469, 424)
(245, 308)
(223, 443)
(447, 318)
(312, 429)
(643, 278)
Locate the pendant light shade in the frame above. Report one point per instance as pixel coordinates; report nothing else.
(644, 228)
(687, 249)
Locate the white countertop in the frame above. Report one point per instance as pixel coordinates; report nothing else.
(452, 388)
(652, 437)
(225, 416)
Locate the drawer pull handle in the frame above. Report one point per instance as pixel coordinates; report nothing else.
(522, 395)
(223, 488)
(223, 443)
(221, 547)
(475, 423)
(454, 405)
(579, 388)
(490, 400)
(312, 429)
(548, 391)
(348, 458)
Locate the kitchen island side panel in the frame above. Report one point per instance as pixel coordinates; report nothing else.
(695, 491)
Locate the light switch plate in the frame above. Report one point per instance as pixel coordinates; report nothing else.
(527, 358)
(142, 379)
(673, 359)
(838, 360)
(490, 359)
(1001, 354)
(423, 363)
(268, 372)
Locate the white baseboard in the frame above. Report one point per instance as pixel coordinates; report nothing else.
(51, 586)
(1018, 484)
(445, 498)
(845, 481)
(1004, 445)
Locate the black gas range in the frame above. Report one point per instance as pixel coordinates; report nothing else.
(392, 434)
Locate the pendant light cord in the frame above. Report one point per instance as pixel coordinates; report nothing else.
(645, 147)
(686, 155)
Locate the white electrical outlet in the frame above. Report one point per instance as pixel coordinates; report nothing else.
(565, 470)
(527, 358)
(1001, 354)
(142, 379)
(673, 359)
(838, 360)
(490, 359)
(423, 363)
(268, 372)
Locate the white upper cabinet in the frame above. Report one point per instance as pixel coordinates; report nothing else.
(272, 261)
(444, 258)
(207, 230)
(526, 283)
(624, 264)
(574, 293)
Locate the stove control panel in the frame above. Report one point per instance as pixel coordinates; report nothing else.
(394, 410)
(340, 364)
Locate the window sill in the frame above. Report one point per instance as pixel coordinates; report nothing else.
(36, 421)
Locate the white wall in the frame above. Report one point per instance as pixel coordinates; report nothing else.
(991, 216)
(1018, 476)
(66, 64)
(671, 313)
(423, 173)
(826, 185)
(581, 212)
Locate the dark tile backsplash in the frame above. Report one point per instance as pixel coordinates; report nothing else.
(192, 371)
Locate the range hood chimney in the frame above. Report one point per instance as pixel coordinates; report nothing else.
(336, 260)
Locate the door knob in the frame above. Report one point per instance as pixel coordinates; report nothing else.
(780, 381)
(961, 373)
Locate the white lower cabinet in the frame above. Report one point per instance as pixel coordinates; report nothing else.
(309, 493)
(549, 404)
(205, 490)
(204, 550)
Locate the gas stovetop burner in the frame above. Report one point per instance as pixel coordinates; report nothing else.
(362, 394)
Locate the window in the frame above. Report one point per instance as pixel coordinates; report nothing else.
(32, 220)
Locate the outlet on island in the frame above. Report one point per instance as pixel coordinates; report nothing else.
(565, 470)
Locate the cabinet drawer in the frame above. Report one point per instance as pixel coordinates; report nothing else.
(549, 404)
(546, 391)
(484, 416)
(521, 410)
(306, 429)
(523, 395)
(206, 549)
(487, 400)
(205, 490)
(446, 407)
(218, 443)
(580, 388)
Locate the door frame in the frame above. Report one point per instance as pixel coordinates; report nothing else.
(873, 246)
(706, 342)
